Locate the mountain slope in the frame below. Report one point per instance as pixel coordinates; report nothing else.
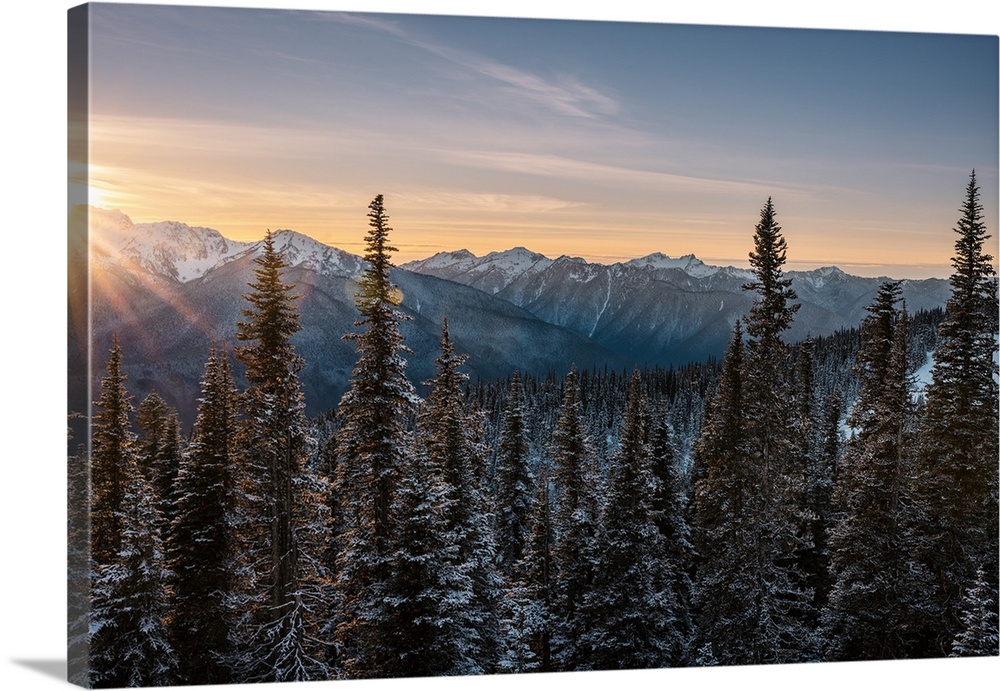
(171, 290)
(663, 310)
(167, 325)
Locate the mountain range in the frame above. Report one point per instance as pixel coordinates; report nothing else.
(170, 291)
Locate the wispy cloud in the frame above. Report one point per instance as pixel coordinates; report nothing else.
(366, 21)
(566, 94)
(207, 137)
(563, 94)
(456, 200)
(549, 165)
(283, 55)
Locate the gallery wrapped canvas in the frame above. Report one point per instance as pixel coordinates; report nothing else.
(407, 346)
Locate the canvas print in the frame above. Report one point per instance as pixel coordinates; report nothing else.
(411, 346)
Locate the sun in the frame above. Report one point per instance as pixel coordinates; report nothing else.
(98, 196)
(103, 186)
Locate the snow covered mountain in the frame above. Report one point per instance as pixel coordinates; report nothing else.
(168, 248)
(689, 264)
(491, 273)
(658, 309)
(181, 252)
(171, 290)
(167, 316)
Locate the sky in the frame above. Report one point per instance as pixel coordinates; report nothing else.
(606, 140)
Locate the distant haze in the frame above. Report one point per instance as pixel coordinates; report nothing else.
(603, 140)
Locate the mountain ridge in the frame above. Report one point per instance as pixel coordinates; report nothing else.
(134, 241)
(171, 291)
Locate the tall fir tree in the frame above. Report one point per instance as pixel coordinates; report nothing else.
(669, 504)
(575, 520)
(112, 455)
(372, 444)
(721, 524)
(130, 643)
(200, 548)
(160, 448)
(443, 562)
(631, 608)
(813, 557)
(752, 494)
(274, 443)
(877, 605)
(773, 311)
(959, 436)
(474, 531)
(529, 602)
(780, 536)
(513, 497)
(821, 474)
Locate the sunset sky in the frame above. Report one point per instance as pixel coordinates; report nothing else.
(602, 140)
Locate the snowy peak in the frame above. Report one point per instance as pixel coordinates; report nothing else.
(301, 250)
(463, 259)
(511, 264)
(819, 278)
(516, 258)
(499, 271)
(184, 253)
(579, 270)
(166, 248)
(490, 273)
(688, 263)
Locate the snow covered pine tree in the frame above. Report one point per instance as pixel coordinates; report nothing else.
(958, 452)
(283, 501)
(372, 444)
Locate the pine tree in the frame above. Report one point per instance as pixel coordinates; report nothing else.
(771, 313)
(669, 513)
(722, 525)
(877, 606)
(821, 475)
(575, 522)
(528, 606)
(372, 443)
(874, 361)
(112, 454)
(751, 497)
(813, 557)
(424, 587)
(130, 644)
(959, 436)
(978, 636)
(160, 449)
(200, 547)
(777, 467)
(446, 610)
(274, 443)
(630, 607)
(513, 505)
(150, 418)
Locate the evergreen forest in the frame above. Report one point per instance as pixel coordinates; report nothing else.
(791, 502)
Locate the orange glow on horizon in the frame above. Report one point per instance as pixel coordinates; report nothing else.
(421, 235)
